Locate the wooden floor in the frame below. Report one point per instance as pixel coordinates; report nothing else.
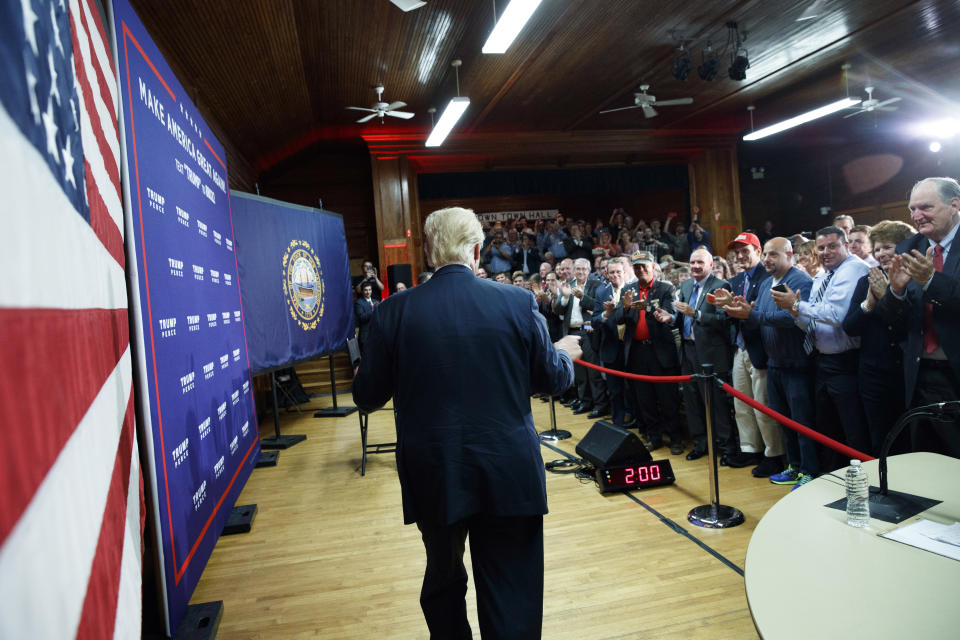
(329, 556)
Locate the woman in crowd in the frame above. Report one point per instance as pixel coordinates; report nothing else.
(625, 244)
(609, 249)
(807, 258)
(721, 268)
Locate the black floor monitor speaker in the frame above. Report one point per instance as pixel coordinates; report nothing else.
(607, 445)
(399, 273)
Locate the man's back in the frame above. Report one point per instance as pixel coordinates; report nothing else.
(461, 356)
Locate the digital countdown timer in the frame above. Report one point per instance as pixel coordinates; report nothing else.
(635, 476)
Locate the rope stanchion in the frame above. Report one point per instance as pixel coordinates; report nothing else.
(796, 426)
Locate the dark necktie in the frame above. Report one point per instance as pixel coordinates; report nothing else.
(930, 341)
(808, 339)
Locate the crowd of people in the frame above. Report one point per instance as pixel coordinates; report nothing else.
(841, 330)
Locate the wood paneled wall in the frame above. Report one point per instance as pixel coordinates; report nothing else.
(398, 222)
(715, 189)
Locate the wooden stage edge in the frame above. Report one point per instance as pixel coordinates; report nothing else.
(329, 555)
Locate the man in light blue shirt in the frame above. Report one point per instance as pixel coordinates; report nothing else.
(836, 389)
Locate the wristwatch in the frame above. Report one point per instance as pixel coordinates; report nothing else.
(796, 306)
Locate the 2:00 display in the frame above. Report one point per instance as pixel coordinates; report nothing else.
(647, 474)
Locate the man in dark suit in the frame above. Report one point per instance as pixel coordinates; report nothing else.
(576, 245)
(925, 290)
(612, 329)
(363, 311)
(705, 333)
(527, 258)
(576, 307)
(461, 356)
(650, 349)
(761, 440)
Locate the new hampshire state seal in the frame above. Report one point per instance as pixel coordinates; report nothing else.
(303, 284)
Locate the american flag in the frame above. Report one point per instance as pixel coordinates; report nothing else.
(70, 489)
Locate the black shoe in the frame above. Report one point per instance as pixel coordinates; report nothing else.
(570, 403)
(583, 408)
(696, 454)
(743, 459)
(656, 443)
(767, 467)
(598, 413)
(676, 449)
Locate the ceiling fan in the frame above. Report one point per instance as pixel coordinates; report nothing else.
(381, 109)
(872, 104)
(408, 5)
(645, 101)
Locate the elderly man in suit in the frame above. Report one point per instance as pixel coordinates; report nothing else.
(705, 333)
(925, 291)
(612, 329)
(650, 349)
(461, 356)
(576, 306)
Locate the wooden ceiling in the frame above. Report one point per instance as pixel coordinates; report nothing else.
(276, 75)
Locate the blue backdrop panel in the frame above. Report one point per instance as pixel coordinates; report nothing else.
(294, 279)
(195, 395)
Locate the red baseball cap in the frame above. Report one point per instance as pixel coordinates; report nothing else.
(745, 238)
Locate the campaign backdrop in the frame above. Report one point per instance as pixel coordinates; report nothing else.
(295, 280)
(194, 380)
(70, 503)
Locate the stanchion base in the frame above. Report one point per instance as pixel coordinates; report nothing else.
(267, 459)
(200, 622)
(281, 442)
(555, 434)
(723, 518)
(334, 412)
(240, 519)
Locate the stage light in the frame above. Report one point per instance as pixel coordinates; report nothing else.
(682, 64)
(708, 65)
(945, 128)
(935, 146)
(739, 65)
(802, 118)
(511, 21)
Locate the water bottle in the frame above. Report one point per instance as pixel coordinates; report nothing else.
(858, 495)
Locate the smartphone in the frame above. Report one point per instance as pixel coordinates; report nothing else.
(712, 299)
(782, 288)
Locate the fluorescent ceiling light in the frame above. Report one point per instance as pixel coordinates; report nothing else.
(451, 114)
(509, 25)
(408, 5)
(802, 118)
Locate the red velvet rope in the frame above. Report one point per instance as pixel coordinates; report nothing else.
(782, 419)
(635, 376)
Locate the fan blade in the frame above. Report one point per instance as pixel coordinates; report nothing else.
(669, 103)
(855, 113)
(880, 105)
(648, 111)
(406, 115)
(362, 109)
(633, 106)
(885, 109)
(408, 5)
(369, 117)
(395, 105)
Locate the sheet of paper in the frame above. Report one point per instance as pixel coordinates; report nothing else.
(941, 539)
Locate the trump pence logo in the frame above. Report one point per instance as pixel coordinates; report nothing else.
(303, 284)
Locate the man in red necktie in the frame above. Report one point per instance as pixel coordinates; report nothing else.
(924, 293)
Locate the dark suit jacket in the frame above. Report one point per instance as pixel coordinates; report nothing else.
(534, 259)
(461, 356)
(362, 312)
(751, 335)
(662, 334)
(879, 340)
(610, 344)
(711, 331)
(588, 305)
(944, 294)
(573, 251)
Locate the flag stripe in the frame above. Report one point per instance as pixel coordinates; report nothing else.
(97, 114)
(128, 619)
(67, 269)
(98, 36)
(106, 110)
(45, 561)
(101, 222)
(99, 606)
(42, 405)
(103, 64)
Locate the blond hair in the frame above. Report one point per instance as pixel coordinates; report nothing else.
(450, 235)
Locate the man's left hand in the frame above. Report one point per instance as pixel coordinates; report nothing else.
(684, 308)
(786, 299)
